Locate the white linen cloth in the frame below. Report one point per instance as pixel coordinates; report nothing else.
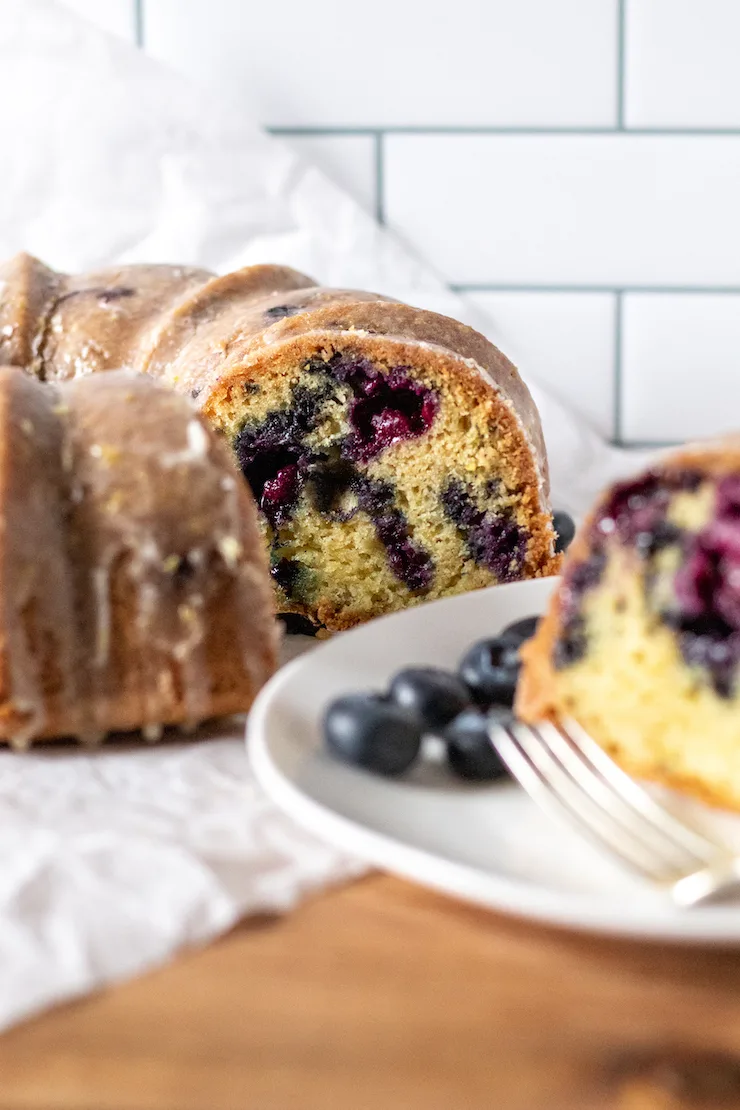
(112, 860)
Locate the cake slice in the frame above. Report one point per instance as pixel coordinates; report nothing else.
(641, 643)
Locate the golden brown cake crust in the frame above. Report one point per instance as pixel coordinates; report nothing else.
(133, 583)
(535, 700)
(28, 291)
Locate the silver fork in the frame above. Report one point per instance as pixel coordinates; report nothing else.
(563, 770)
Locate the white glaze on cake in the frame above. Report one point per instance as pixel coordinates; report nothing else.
(128, 551)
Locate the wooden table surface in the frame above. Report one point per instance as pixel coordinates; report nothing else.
(382, 996)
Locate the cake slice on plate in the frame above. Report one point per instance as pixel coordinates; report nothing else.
(641, 643)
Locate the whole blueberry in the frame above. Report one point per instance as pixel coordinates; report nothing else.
(370, 732)
(490, 670)
(470, 753)
(433, 696)
(565, 527)
(296, 625)
(521, 631)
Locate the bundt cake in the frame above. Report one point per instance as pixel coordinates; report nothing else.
(395, 455)
(133, 584)
(641, 643)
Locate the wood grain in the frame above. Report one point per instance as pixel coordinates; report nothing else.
(384, 996)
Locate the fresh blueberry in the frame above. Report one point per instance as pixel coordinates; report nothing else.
(370, 732)
(470, 753)
(521, 631)
(434, 696)
(490, 670)
(297, 625)
(565, 527)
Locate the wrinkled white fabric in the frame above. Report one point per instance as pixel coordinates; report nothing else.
(112, 860)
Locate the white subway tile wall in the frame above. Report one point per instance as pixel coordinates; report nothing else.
(586, 210)
(399, 63)
(683, 63)
(681, 365)
(564, 339)
(572, 166)
(349, 160)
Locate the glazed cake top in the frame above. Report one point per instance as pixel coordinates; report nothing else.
(197, 331)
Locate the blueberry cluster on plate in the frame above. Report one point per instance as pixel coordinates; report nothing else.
(383, 731)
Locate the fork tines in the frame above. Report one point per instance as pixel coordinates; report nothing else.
(563, 769)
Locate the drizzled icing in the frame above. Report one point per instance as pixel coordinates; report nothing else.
(196, 331)
(144, 562)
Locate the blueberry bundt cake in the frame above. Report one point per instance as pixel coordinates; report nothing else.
(133, 582)
(641, 644)
(395, 455)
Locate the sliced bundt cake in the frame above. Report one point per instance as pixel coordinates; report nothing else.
(134, 590)
(395, 455)
(641, 644)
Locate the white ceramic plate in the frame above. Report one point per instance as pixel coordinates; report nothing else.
(487, 844)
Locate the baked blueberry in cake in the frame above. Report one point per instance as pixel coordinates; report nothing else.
(394, 454)
(642, 640)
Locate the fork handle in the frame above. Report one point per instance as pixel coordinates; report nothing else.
(711, 884)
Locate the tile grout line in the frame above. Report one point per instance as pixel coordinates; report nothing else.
(534, 287)
(379, 178)
(618, 129)
(615, 131)
(650, 444)
(621, 18)
(139, 22)
(617, 370)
